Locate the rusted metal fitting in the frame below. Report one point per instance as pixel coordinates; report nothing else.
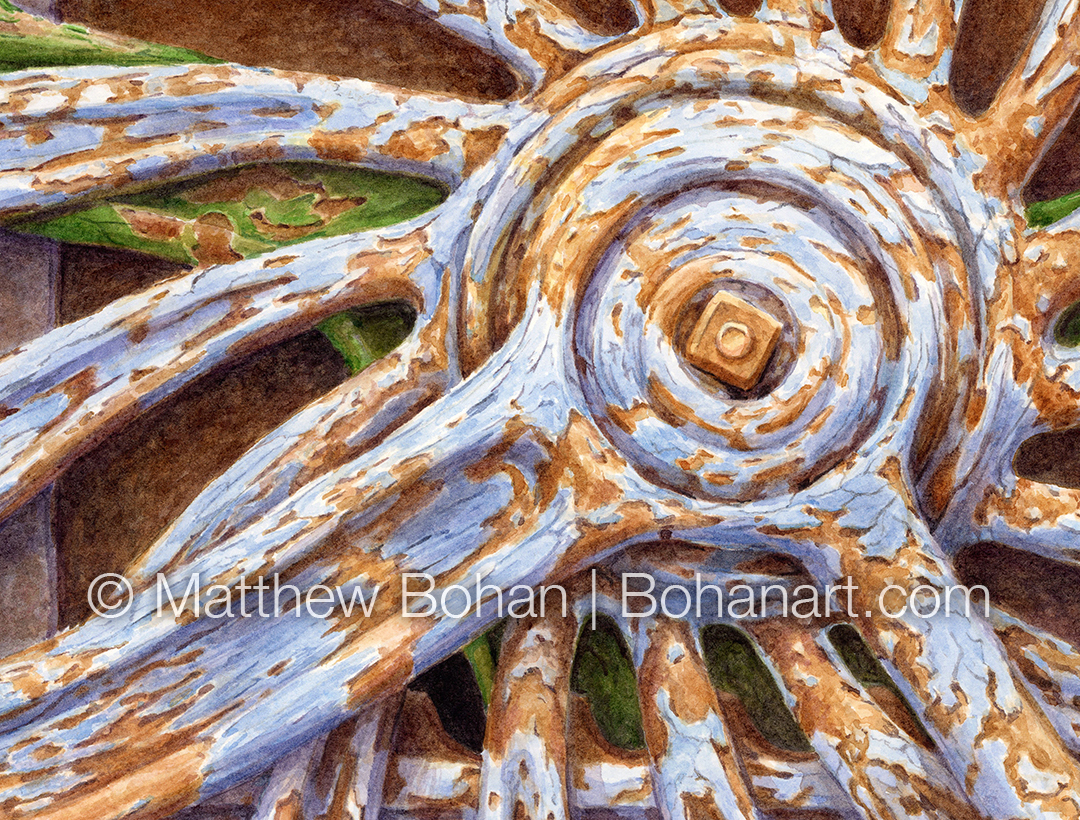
(732, 341)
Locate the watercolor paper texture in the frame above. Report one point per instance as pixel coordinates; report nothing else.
(539, 409)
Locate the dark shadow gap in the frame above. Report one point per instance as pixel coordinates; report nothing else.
(1050, 458)
(453, 691)
(604, 673)
(735, 668)
(1058, 172)
(862, 22)
(91, 277)
(608, 18)
(368, 39)
(1038, 591)
(741, 8)
(990, 38)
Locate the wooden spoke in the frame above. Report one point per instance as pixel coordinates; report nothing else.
(941, 654)
(1033, 104)
(539, 39)
(284, 794)
(695, 769)
(813, 15)
(319, 440)
(112, 128)
(702, 303)
(525, 765)
(1051, 669)
(1034, 385)
(885, 771)
(429, 772)
(472, 445)
(919, 38)
(68, 388)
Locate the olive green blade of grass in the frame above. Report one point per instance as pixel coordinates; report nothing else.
(27, 41)
(1041, 214)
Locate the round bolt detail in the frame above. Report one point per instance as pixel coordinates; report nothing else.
(734, 340)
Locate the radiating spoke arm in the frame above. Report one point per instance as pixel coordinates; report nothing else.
(695, 769)
(67, 389)
(1051, 668)
(318, 440)
(899, 573)
(97, 130)
(1032, 386)
(918, 42)
(538, 38)
(525, 764)
(497, 479)
(855, 738)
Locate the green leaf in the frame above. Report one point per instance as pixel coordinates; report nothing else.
(104, 225)
(482, 660)
(364, 335)
(245, 211)
(1041, 214)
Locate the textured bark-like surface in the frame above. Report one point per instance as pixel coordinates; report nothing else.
(28, 580)
(525, 765)
(886, 773)
(695, 769)
(542, 418)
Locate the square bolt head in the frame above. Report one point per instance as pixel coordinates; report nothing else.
(733, 341)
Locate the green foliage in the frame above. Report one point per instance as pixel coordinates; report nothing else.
(27, 41)
(243, 212)
(366, 334)
(1041, 214)
(482, 660)
(603, 672)
(735, 667)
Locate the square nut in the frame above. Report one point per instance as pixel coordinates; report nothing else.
(733, 341)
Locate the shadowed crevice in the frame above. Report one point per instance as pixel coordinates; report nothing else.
(367, 39)
(453, 691)
(605, 17)
(1039, 591)
(1050, 458)
(861, 22)
(735, 668)
(991, 36)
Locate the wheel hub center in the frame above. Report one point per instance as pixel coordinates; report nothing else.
(733, 340)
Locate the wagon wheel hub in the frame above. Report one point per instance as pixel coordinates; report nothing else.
(711, 298)
(751, 265)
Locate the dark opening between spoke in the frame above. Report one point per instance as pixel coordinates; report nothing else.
(735, 668)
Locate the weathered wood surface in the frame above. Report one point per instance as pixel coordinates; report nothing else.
(541, 419)
(694, 764)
